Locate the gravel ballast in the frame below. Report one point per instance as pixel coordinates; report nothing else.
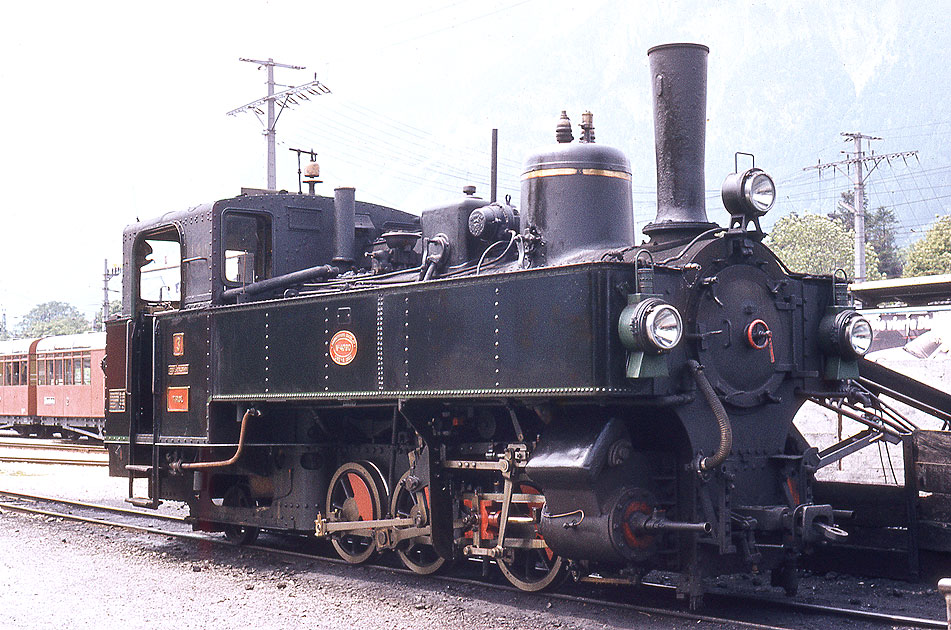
(62, 574)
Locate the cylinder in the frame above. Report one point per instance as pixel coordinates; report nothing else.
(679, 88)
(601, 535)
(344, 225)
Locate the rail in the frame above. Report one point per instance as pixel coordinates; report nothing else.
(742, 602)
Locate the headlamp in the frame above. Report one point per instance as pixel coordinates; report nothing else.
(858, 333)
(749, 194)
(651, 325)
(846, 334)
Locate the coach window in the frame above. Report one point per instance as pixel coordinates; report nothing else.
(247, 247)
(158, 259)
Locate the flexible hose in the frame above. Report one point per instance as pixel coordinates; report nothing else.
(723, 420)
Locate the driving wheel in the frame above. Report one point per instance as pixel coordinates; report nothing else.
(417, 554)
(529, 569)
(354, 495)
(239, 496)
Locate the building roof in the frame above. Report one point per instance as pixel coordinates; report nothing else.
(911, 291)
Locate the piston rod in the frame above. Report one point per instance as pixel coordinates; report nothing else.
(641, 522)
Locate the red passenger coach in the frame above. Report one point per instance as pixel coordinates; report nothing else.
(17, 397)
(53, 385)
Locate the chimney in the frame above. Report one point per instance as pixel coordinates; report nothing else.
(679, 86)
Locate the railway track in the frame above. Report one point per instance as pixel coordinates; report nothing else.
(27, 450)
(733, 610)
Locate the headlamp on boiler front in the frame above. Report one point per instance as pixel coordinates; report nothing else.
(751, 192)
(747, 196)
(649, 328)
(846, 334)
(845, 337)
(651, 325)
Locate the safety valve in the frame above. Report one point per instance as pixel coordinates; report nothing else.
(649, 327)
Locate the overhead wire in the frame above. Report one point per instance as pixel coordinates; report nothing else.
(414, 155)
(405, 156)
(915, 193)
(420, 134)
(407, 162)
(458, 23)
(411, 141)
(418, 151)
(419, 157)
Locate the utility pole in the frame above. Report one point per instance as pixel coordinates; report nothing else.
(275, 103)
(107, 275)
(859, 159)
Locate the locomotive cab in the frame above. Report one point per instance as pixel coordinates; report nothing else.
(185, 263)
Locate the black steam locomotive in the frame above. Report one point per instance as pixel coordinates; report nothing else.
(526, 387)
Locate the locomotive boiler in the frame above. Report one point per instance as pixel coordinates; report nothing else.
(526, 387)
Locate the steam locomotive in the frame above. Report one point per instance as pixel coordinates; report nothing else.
(525, 387)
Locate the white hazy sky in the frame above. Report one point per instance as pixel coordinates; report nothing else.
(116, 110)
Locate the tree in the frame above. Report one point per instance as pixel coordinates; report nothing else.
(844, 211)
(52, 318)
(880, 226)
(931, 254)
(115, 308)
(816, 244)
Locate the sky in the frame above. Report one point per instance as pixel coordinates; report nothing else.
(116, 111)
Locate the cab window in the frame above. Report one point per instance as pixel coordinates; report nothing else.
(247, 247)
(158, 260)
